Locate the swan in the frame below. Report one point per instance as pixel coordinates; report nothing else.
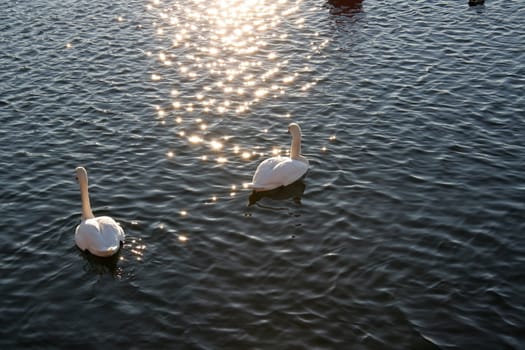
(280, 171)
(102, 235)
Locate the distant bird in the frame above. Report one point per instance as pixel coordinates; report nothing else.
(476, 2)
(100, 236)
(280, 171)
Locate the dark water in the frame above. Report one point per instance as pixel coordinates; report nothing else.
(410, 231)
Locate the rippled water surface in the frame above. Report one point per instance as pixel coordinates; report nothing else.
(410, 230)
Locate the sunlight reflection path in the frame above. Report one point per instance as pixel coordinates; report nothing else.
(225, 55)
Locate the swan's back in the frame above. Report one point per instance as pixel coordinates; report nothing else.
(278, 171)
(100, 236)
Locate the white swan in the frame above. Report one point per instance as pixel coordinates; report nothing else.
(101, 235)
(280, 171)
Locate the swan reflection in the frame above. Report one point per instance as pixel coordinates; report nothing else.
(102, 265)
(132, 249)
(294, 190)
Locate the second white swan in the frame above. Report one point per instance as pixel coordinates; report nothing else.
(280, 171)
(101, 236)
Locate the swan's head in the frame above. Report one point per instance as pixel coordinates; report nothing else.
(81, 175)
(294, 129)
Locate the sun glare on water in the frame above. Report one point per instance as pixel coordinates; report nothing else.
(225, 47)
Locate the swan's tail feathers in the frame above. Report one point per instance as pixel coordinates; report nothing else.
(107, 252)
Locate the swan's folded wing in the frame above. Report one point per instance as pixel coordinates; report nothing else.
(290, 171)
(111, 229)
(278, 171)
(86, 234)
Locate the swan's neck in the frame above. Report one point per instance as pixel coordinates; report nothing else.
(295, 148)
(86, 205)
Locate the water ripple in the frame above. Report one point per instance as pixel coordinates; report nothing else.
(409, 231)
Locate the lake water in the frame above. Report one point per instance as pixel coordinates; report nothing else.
(410, 234)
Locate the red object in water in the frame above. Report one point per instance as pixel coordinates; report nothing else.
(347, 5)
